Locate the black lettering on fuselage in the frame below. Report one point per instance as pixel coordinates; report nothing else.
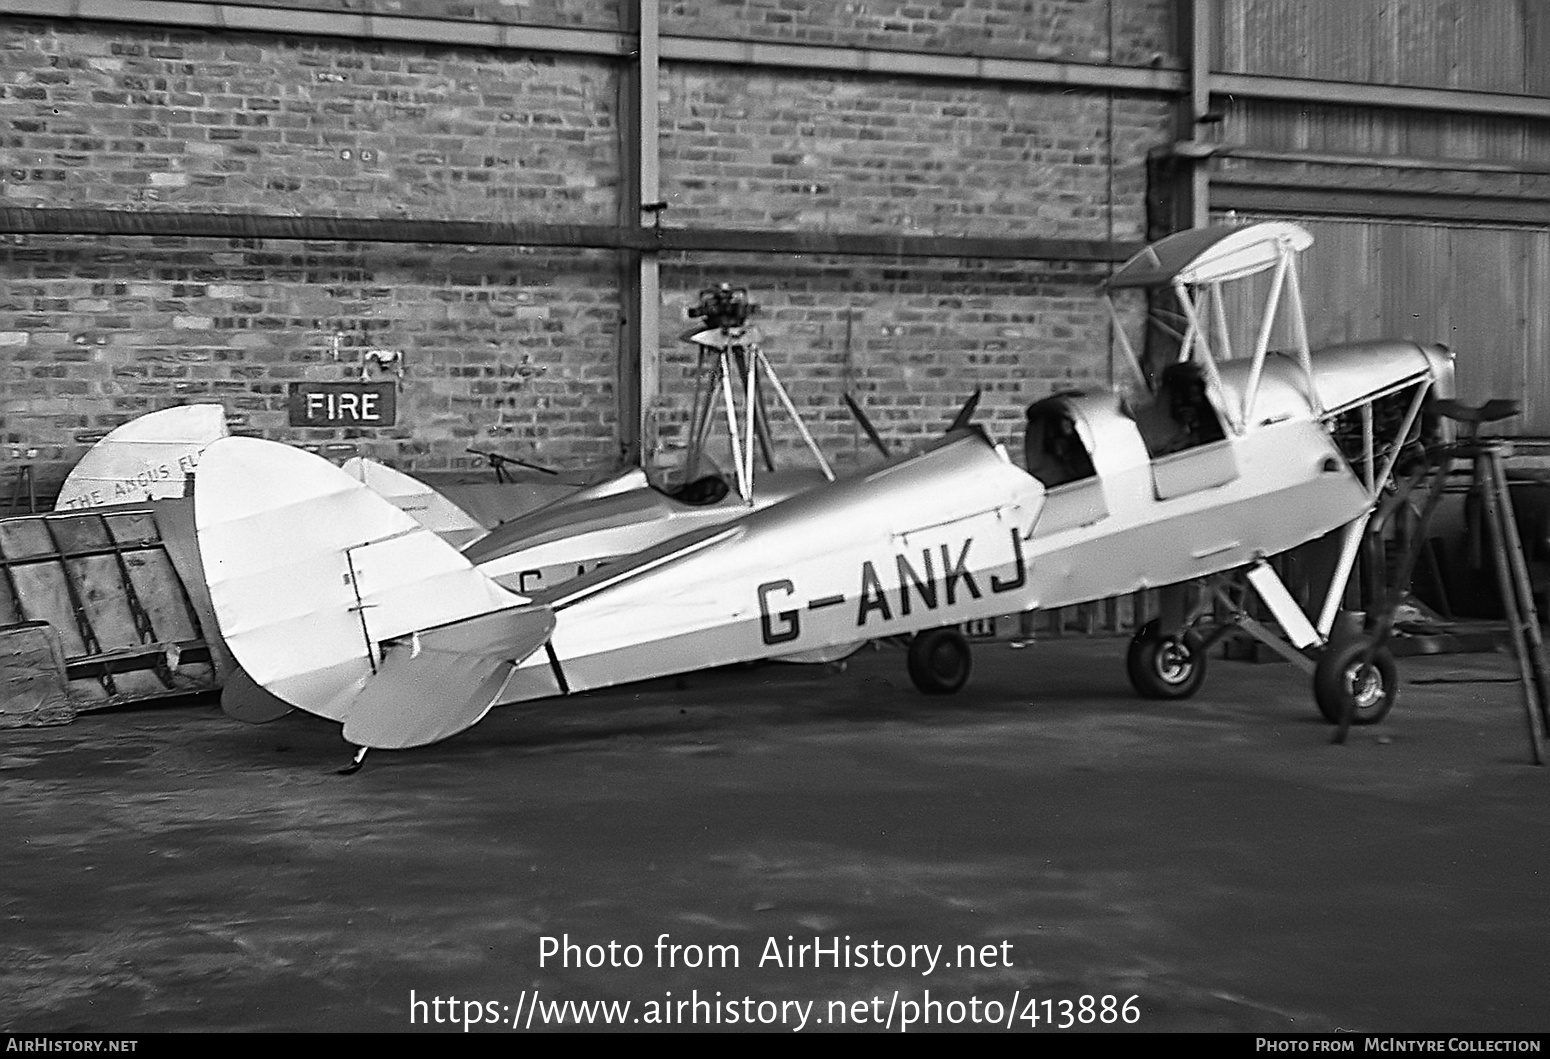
(925, 586)
(872, 595)
(917, 587)
(953, 572)
(1021, 577)
(790, 619)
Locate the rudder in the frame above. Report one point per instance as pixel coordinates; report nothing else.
(310, 571)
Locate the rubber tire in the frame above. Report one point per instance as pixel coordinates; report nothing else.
(939, 661)
(1165, 667)
(1335, 682)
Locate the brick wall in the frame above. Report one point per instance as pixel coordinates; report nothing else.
(517, 349)
(503, 347)
(585, 14)
(856, 154)
(1133, 32)
(510, 350)
(894, 155)
(911, 343)
(133, 118)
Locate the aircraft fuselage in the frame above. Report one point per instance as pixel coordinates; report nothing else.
(955, 533)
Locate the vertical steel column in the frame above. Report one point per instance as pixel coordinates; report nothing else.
(1194, 180)
(640, 280)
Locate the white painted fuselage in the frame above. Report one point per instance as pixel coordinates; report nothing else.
(960, 532)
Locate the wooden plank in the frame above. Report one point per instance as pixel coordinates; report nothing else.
(100, 588)
(1417, 282)
(24, 538)
(1536, 335)
(10, 609)
(86, 534)
(32, 677)
(1494, 46)
(1282, 197)
(132, 529)
(1341, 283)
(1402, 96)
(113, 598)
(1536, 48)
(1486, 316)
(1487, 45)
(45, 597)
(214, 18)
(160, 592)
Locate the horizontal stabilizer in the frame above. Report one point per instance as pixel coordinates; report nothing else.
(436, 683)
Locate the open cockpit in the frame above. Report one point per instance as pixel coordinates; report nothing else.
(1053, 449)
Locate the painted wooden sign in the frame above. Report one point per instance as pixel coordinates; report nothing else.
(343, 404)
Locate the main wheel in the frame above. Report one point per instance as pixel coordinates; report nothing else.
(1345, 681)
(1162, 666)
(939, 661)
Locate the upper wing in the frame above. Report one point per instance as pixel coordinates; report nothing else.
(148, 458)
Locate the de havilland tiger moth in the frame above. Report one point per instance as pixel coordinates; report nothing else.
(335, 601)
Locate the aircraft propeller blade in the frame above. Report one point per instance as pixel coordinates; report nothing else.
(961, 420)
(866, 426)
(966, 413)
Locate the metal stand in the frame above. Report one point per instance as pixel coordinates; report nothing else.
(1489, 482)
(498, 463)
(730, 350)
(23, 485)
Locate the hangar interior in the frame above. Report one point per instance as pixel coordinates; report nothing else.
(468, 238)
(213, 202)
(507, 209)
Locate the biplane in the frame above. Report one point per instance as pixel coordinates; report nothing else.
(341, 604)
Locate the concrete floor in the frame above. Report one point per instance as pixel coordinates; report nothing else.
(1216, 860)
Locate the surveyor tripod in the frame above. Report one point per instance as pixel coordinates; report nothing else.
(733, 353)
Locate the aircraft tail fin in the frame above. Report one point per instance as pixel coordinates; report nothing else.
(314, 578)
